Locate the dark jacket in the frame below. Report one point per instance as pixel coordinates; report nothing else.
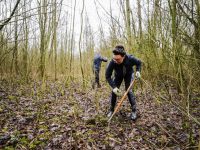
(97, 61)
(122, 70)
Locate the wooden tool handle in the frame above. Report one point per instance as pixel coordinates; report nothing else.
(124, 96)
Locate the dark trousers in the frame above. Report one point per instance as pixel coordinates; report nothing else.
(96, 79)
(128, 79)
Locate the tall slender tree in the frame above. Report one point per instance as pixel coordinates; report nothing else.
(25, 43)
(42, 10)
(80, 38)
(139, 19)
(54, 37)
(72, 38)
(128, 26)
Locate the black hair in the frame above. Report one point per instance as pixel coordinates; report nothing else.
(119, 50)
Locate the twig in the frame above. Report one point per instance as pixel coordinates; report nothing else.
(129, 141)
(182, 111)
(154, 147)
(165, 145)
(166, 132)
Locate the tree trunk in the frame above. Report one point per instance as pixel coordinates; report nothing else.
(55, 39)
(72, 39)
(81, 62)
(128, 27)
(42, 10)
(197, 48)
(25, 48)
(140, 19)
(15, 51)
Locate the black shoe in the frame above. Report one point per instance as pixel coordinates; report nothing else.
(110, 114)
(133, 115)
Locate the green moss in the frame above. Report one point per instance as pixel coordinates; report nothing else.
(48, 133)
(191, 139)
(91, 140)
(43, 143)
(174, 131)
(11, 98)
(99, 95)
(185, 126)
(28, 109)
(163, 92)
(43, 126)
(5, 129)
(104, 121)
(106, 143)
(32, 146)
(9, 148)
(24, 141)
(65, 112)
(90, 132)
(137, 137)
(146, 138)
(152, 131)
(37, 142)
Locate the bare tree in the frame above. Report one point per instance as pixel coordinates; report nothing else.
(128, 26)
(15, 51)
(80, 37)
(139, 19)
(72, 38)
(54, 37)
(42, 10)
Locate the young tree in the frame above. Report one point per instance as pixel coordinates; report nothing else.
(80, 38)
(139, 19)
(72, 38)
(25, 47)
(42, 11)
(128, 26)
(54, 37)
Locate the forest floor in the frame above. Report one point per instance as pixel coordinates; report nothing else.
(63, 115)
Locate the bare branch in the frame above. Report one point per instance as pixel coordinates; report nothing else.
(3, 24)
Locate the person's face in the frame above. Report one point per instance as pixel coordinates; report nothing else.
(118, 59)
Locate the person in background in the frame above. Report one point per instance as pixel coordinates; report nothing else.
(122, 64)
(96, 68)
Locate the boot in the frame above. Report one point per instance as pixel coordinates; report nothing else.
(133, 115)
(110, 114)
(99, 86)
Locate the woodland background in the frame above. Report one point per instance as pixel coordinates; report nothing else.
(47, 47)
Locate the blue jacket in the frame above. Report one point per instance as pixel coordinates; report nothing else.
(125, 68)
(97, 61)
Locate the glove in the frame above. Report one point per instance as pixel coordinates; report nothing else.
(137, 75)
(117, 91)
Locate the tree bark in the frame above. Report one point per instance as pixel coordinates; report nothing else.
(42, 23)
(81, 62)
(72, 38)
(140, 19)
(55, 39)
(25, 48)
(6, 22)
(128, 27)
